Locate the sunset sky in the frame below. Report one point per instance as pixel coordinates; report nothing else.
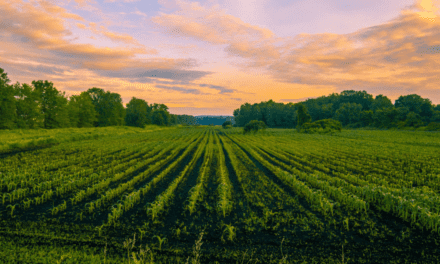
(210, 57)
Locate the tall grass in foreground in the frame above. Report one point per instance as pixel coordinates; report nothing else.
(145, 256)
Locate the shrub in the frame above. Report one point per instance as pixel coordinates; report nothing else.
(254, 126)
(321, 126)
(227, 124)
(433, 126)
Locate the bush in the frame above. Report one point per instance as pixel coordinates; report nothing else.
(226, 124)
(254, 126)
(433, 126)
(323, 126)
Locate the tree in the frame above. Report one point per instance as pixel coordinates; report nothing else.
(357, 97)
(109, 107)
(82, 112)
(117, 114)
(413, 120)
(137, 110)
(244, 116)
(349, 113)
(367, 117)
(381, 102)
(161, 118)
(53, 104)
(254, 126)
(28, 112)
(7, 102)
(416, 104)
(173, 119)
(62, 113)
(436, 116)
(227, 124)
(385, 118)
(303, 115)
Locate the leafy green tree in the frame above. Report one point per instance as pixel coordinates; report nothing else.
(303, 115)
(367, 117)
(254, 126)
(227, 124)
(109, 107)
(436, 116)
(416, 104)
(53, 105)
(401, 113)
(161, 117)
(29, 114)
(118, 112)
(62, 112)
(437, 107)
(244, 115)
(381, 102)
(349, 113)
(357, 97)
(7, 102)
(386, 117)
(413, 120)
(173, 119)
(82, 112)
(137, 111)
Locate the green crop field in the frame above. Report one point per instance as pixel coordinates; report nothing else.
(212, 195)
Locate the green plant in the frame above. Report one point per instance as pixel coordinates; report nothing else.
(12, 208)
(129, 245)
(160, 241)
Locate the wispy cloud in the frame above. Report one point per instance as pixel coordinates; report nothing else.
(218, 55)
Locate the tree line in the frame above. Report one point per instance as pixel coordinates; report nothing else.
(354, 109)
(41, 105)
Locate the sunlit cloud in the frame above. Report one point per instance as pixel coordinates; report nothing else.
(210, 55)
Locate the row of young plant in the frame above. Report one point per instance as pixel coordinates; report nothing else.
(198, 192)
(418, 205)
(421, 170)
(314, 198)
(16, 139)
(290, 156)
(48, 181)
(153, 153)
(157, 164)
(390, 178)
(385, 180)
(390, 175)
(56, 159)
(74, 182)
(333, 157)
(261, 192)
(224, 190)
(163, 200)
(129, 201)
(123, 171)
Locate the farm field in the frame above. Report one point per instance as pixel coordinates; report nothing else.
(273, 197)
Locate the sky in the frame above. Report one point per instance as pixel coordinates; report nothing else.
(210, 57)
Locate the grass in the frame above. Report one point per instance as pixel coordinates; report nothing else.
(144, 256)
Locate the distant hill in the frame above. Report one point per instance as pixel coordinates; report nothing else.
(212, 119)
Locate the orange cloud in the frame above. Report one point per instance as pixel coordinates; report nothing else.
(211, 25)
(428, 9)
(216, 27)
(56, 10)
(47, 33)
